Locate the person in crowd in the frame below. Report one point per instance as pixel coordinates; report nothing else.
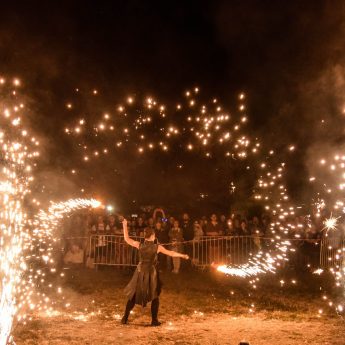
(100, 242)
(110, 230)
(132, 227)
(158, 214)
(99, 225)
(244, 231)
(140, 227)
(176, 239)
(162, 237)
(161, 233)
(145, 285)
(237, 225)
(118, 247)
(111, 226)
(79, 231)
(229, 231)
(187, 227)
(203, 223)
(74, 256)
(214, 229)
(151, 223)
(223, 224)
(255, 227)
(197, 249)
(256, 232)
(188, 233)
(129, 254)
(198, 233)
(170, 223)
(168, 226)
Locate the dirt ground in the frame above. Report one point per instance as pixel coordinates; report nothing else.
(195, 309)
(209, 329)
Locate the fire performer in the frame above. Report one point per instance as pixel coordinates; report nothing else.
(145, 285)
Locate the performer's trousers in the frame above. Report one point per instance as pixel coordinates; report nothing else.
(154, 308)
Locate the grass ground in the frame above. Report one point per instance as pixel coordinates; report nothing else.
(196, 308)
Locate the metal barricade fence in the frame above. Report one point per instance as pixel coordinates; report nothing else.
(237, 250)
(223, 250)
(332, 252)
(229, 250)
(112, 250)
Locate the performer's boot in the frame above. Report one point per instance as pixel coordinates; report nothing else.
(154, 312)
(129, 306)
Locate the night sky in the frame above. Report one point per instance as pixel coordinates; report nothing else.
(287, 57)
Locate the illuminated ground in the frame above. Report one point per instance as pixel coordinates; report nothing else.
(196, 309)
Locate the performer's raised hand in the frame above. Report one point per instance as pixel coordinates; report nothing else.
(185, 256)
(128, 240)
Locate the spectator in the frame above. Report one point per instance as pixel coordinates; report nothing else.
(110, 230)
(158, 214)
(75, 255)
(187, 227)
(244, 231)
(162, 237)
(198, 233)
(119, 247)
(188, 233)
(140, 227)
(223, 223)
(132, 228)
(118, 231)
(111, 226)
(197, 249)
(176, 237)
(170, 223)
(100, 244)
(213, 228)
(305, 233)
(161, 234)
(229, 231)
(203, 223)
(256, 232)
(151, 223)
(237, 225)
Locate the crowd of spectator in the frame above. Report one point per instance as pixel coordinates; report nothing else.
(187, 228)
(177, 231)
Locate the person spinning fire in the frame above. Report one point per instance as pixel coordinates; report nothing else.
(145, 285)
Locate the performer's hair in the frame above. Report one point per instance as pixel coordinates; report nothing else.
(148, 232)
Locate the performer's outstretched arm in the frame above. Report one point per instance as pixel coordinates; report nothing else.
(127, 238)
(162, 250)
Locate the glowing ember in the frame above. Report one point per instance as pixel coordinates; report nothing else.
(331, 223)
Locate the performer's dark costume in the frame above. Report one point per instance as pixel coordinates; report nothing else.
(145, 285)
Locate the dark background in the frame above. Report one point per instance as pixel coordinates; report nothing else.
(287, 56)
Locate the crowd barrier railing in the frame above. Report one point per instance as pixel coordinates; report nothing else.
(222, 250)
(332, 252)
(112, 250)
